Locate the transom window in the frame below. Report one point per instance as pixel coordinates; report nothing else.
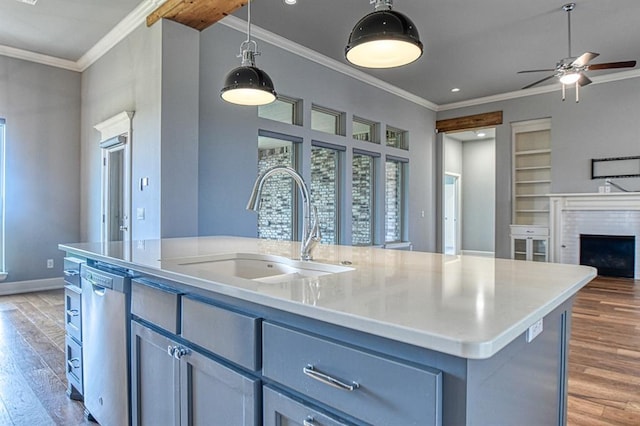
(283, 109)
(326, 120)
(365, 130)
(397, 138)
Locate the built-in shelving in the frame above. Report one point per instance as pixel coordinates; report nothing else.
(531, 172)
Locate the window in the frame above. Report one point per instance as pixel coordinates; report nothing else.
(284, 110)
(276, 218)
(394, 206)
(3, 274)
(325, 169)
(364, 130)
(362, 195)
(326, 120)
(397, 138)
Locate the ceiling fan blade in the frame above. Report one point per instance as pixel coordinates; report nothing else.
(546, 70)
(584, 59)
(584, 80)
(609, 65)
(538, 82)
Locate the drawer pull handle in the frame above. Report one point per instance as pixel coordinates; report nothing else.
(74, 363)
(309, 421)
(73, 312)
(310, 371)
(70, 273)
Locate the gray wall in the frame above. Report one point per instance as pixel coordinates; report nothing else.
(475, 162)
(478, 195)
(603, 124)
(41, 105)
(228, 135)
(154, 72)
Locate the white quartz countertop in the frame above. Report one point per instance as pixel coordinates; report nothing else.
(465, 306)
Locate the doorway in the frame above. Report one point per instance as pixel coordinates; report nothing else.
(468, 192)
(451, 213)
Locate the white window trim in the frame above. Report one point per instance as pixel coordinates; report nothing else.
(3, 270)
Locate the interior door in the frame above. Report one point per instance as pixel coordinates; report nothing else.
(451, 213)
(116, 191)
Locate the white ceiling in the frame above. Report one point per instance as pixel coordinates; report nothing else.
(477, 46)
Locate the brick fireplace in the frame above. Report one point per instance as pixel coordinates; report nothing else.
(606, 214)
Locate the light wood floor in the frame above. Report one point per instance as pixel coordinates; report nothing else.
(604, 361)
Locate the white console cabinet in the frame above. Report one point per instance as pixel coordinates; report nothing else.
(530, 242)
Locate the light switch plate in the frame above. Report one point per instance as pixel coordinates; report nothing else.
(140, 213)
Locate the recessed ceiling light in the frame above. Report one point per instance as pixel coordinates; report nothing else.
(455, 89)
(30, 2)
(290, 2)
(481, 134)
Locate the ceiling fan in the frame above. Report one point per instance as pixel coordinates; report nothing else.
(571, 70)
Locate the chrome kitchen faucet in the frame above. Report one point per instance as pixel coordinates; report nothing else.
(310, 230)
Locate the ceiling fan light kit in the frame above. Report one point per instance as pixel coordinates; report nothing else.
(248, 84)
(571, 70)
(383, 39)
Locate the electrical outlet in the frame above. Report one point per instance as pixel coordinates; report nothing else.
(49, 263)
(534, 330)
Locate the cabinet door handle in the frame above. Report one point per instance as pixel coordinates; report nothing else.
(73, 312)
(310, 371)
(309, 421)
(74, 363)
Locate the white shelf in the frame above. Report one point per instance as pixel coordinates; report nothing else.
(533, 168)
(533, 152)
(531, 181)
(532, 211)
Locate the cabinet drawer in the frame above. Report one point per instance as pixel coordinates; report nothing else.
(73, 352)
(73, 312)
(519, 231)
(156, 304)
(279, 409)
(383, 391)
(72, 271)
(229, 334)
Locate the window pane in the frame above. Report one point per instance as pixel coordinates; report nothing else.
(397, 138)
(394, 201)
(281, 110)
(324, 190)
(325, 121)
(362, 196)
(275, 216)
(364, 130)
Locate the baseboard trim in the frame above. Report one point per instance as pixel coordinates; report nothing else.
(18, 287)
(478, 253)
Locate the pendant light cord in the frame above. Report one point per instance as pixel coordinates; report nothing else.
(568, 31)
(248, 21)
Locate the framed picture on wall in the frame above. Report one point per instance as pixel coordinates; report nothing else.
(615, 167)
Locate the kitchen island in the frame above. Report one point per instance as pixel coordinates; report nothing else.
(358, 336)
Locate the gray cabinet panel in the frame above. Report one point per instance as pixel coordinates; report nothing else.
(280, 410)
(74, 364)
(155, 304)
(154, 378)
(214, 395)
(73, 312)
(389, 392)
(231, 335)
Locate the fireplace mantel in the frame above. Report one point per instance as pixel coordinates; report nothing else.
(569, 212)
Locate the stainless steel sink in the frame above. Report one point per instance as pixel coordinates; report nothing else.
(252, 266)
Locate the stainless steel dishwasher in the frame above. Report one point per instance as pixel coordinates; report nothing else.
(105, 310)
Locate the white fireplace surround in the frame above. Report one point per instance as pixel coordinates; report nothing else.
(616, 213)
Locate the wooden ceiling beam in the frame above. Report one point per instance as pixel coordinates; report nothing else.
(198, 14)
(469, 122)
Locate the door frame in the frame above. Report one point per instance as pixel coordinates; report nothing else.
(458, 208)
(116, 135)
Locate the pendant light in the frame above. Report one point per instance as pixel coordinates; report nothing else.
(248, 84)
(383, 39)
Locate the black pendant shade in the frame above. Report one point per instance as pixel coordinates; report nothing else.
(248, 85)
(384, 39)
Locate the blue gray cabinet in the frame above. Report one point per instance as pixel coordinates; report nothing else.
(280, 409)
(73, 327)
(176, 382)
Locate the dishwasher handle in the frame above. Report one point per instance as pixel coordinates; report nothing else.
(97, 288)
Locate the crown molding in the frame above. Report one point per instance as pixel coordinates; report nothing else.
(26, 55)
(607, 78)
(119, 32)
(297, 49)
